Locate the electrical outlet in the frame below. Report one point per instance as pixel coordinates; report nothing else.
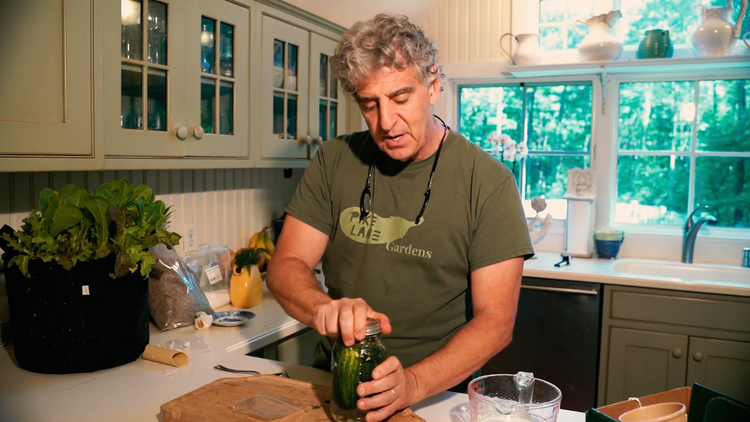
(189, 238)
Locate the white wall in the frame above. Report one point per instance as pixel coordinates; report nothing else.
(227, 206)
(468, 30)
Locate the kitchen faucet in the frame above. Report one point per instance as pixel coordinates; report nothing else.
(690, 232)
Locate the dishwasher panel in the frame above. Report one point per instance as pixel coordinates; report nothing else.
(556, 336)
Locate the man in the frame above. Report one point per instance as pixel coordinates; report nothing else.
(434, 244)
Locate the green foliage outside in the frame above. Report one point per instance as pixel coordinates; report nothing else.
(558, 129)
(654, 167)
(73, 226)
(655, 143)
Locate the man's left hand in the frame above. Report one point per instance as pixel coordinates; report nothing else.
(391, 390)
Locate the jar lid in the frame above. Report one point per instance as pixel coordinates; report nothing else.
(373, 326)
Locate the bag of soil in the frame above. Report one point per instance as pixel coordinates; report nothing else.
(173, 293)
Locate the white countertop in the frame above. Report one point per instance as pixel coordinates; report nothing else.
(594, 270)
(135, 391)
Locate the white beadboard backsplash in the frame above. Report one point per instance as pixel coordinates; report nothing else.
(226, 205)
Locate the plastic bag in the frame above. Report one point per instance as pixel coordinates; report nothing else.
(173, 293)
(212, 266)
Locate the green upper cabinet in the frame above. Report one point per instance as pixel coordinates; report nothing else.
(47, 85)
(176, 78)
(327, 104)
(302, 103)
(286, 74)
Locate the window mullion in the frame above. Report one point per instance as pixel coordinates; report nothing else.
(524, 136)
(693, 148)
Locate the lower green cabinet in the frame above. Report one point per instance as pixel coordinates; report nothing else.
(720, 364)
(658, 340)
(644, 362)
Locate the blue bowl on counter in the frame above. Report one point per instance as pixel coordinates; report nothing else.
(608, 243)
(607, 249)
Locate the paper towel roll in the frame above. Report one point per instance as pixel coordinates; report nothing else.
(578, 227)
(165, 356)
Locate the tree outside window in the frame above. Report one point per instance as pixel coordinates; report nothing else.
(553, 119)
(683, 144)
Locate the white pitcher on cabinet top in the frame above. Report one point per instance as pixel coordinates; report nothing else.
(528, 51)
(716, 35)
(599, 44)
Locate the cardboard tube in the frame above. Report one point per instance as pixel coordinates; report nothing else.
(165, 356)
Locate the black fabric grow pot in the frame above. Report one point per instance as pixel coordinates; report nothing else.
(80, 320)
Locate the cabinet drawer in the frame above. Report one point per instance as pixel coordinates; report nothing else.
(726, 314)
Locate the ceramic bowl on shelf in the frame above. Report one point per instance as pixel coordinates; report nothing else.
(655, 45)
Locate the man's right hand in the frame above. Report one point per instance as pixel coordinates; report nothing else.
(347, 318)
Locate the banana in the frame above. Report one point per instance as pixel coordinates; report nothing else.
(253, 244)
(269, 246)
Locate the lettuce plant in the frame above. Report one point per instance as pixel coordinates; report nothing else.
(74, 226)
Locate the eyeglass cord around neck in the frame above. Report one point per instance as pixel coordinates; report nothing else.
(363, 213)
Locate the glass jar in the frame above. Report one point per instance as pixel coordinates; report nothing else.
(351, 366)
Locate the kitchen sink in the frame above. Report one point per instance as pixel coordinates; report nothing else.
(672, 269)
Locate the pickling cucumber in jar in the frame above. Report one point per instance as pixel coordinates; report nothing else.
(351, 366)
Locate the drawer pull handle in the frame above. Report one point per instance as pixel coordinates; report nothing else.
(677, 353)
(698, 356)
(561, 290)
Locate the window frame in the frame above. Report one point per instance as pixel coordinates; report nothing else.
(524, 83)
(452, 105)
(610, 153)
(604, 128)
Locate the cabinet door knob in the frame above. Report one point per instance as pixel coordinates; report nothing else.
(307, 140)
(677, 353)
(198, 132)
(318, 140)
(697, 356)
(181, 132)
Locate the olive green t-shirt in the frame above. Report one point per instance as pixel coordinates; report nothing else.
(416, 274)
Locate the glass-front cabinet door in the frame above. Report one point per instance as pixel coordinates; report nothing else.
(218, 75)
(144, 77)
(176, 76)
(327, 106)
(285, 90)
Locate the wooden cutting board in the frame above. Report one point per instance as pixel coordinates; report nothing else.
(259, 399)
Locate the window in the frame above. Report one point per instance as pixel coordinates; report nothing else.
(557, 19)
(554, 119)
(683, 144)
(557, 22)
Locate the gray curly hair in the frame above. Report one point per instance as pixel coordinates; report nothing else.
(387, 40)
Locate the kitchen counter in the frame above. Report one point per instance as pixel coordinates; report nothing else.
(594, 270)
(135, 391)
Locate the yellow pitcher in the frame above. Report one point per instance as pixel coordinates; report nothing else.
(246, 285)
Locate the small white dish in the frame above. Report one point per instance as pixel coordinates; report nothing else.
(232, 318)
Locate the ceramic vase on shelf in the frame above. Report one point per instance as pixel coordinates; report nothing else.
(599, 44)
(655, 45)
(717, 34)
(528, 51)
